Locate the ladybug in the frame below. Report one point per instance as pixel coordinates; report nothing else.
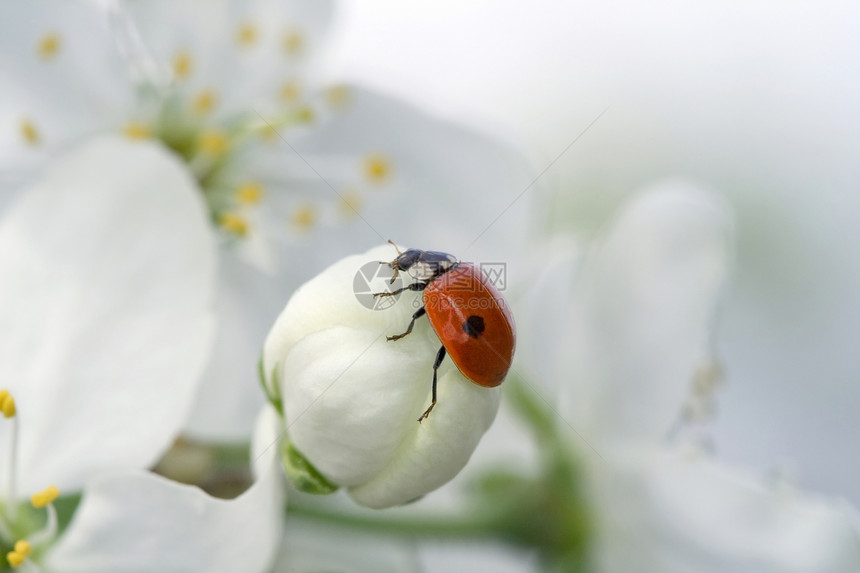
(466, 311)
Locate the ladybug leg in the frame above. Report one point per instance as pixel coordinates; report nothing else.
(413, 286)
(418, 314)
(439, 357)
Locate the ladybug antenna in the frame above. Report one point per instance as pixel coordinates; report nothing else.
(390, 242)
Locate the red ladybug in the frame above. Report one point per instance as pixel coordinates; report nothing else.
(466, 311)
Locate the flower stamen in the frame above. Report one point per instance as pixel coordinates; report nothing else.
(377, 168)
(205, 102)
(304, 217)
(48, 46)
(250, 193)
(246, 35)
(182, 65)
(233, 223)
(136, 130)
(293, 42)
(30, 132)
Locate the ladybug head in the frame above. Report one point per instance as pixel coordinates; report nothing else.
(404, 261)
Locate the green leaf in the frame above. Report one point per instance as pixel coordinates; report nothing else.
(302, 474)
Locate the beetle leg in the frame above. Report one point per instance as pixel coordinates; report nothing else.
(439, 357)
(418, 314)
(413, 286)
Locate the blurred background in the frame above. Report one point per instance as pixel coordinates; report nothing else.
(756, 101)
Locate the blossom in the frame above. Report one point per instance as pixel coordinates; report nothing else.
(351, 398)
(289, 168)
(637, 383)
(103, 340)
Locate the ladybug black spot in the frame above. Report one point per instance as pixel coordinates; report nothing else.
(474, 326)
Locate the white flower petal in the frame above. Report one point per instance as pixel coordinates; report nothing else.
(108, 271)
(352, 399)
(210, 34)
(643, 314)
(230, 394)
(664, 513)
(448, 187)
(60, 72)
(140, 522)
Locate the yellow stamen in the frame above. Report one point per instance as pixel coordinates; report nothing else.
(204, 102)
(214, 142)
(246, 35)
(290, 91)
(338, 97)
(233, 223)
(377, 168)
(304, 217)
(45, 497)
(15, 559)
(22, 547)
(268, 133)
(249, 193)
(350, 203)
(48, 46)
(182, 65)
(30, 132)
(293, 42)
(305, 114)
(7, 405)
(136, 130)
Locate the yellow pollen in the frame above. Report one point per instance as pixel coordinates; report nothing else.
(249, 193)
(182, 65)
(30, 132)
(48, 46)
(136, 130)
(15, 559)
(205, 102)
(350, 203)
(305, 114)
(290, 91)
(246, 35)
(214, 142)
(293, 42)
(23, 547)
(45, 497)
(338, 97)
(304, 217)
(377, 168)
(7, 404)
(268, 133)
(233, 223)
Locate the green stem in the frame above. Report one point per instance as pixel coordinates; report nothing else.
(439, 527)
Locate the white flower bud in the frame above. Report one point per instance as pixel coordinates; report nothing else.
(351, 399)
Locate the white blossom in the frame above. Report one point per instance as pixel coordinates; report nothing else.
(105, 328)
(293, 171)
(351, 399)
(638, 381)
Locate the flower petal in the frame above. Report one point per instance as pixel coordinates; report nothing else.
(59, 68)
(666, 513)
(140, 522)
(424, 181)
(243, 51)
(643, 313)
(230, 394)
(108, 277)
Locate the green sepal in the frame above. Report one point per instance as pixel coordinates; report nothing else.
(302, 474)
(270, 387)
